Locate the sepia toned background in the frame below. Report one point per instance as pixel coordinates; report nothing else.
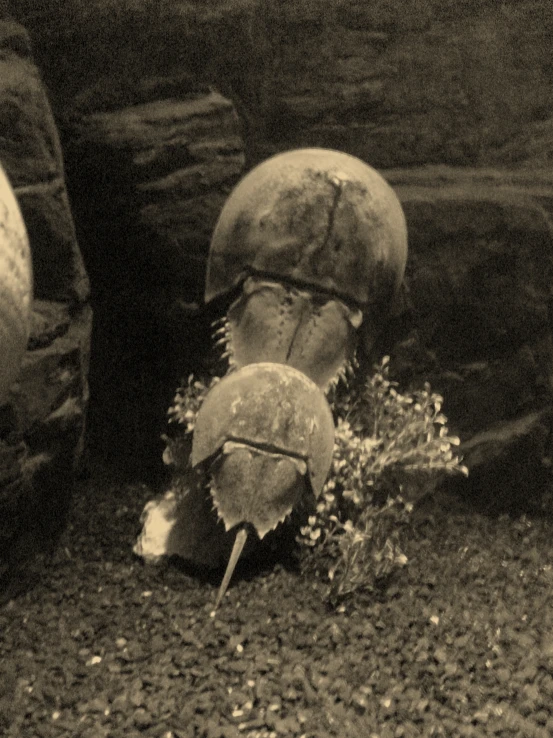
(124, 126)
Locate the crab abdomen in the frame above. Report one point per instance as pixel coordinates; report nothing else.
(280, 323)
(249, 484)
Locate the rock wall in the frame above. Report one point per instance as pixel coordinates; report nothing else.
(42, 422)
(451, 100)
(476, 319)
(399, 84)
(148, 180)
(410, 83)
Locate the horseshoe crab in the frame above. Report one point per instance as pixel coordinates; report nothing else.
(16, 285)
(315, 241)
(265, 435)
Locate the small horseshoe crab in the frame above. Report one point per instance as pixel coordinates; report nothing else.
(265, 436)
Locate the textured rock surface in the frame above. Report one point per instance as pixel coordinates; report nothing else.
(42, 420)
(162, 168)
(31, 155)
(479, 282)
(476, 316)
(411, 83)
(148, 180)
(395, 83)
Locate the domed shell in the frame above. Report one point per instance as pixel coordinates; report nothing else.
(269, 406)
(320, 218)
(16, 285)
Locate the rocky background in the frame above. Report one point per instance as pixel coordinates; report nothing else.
(42, 423)
(161, 105)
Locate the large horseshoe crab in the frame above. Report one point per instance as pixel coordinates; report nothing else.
(265, 436)
(316, 242)
(16, 285)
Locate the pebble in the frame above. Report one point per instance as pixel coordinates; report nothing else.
(142, 718)
(120, 703)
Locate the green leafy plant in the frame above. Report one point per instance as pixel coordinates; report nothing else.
(183, 412)
(188, 400)
(390, 449)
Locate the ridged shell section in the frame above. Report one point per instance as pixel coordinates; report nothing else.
(279, 323)
(16, 285)
(255, 486)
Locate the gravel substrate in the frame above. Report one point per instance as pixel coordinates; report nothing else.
(460, 644)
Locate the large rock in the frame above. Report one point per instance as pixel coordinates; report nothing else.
(32, 158)
(511, 464)
(162, 168)
(42, 420)
(148, 180)
(404, 84)
(397, 84)
(476, 319)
